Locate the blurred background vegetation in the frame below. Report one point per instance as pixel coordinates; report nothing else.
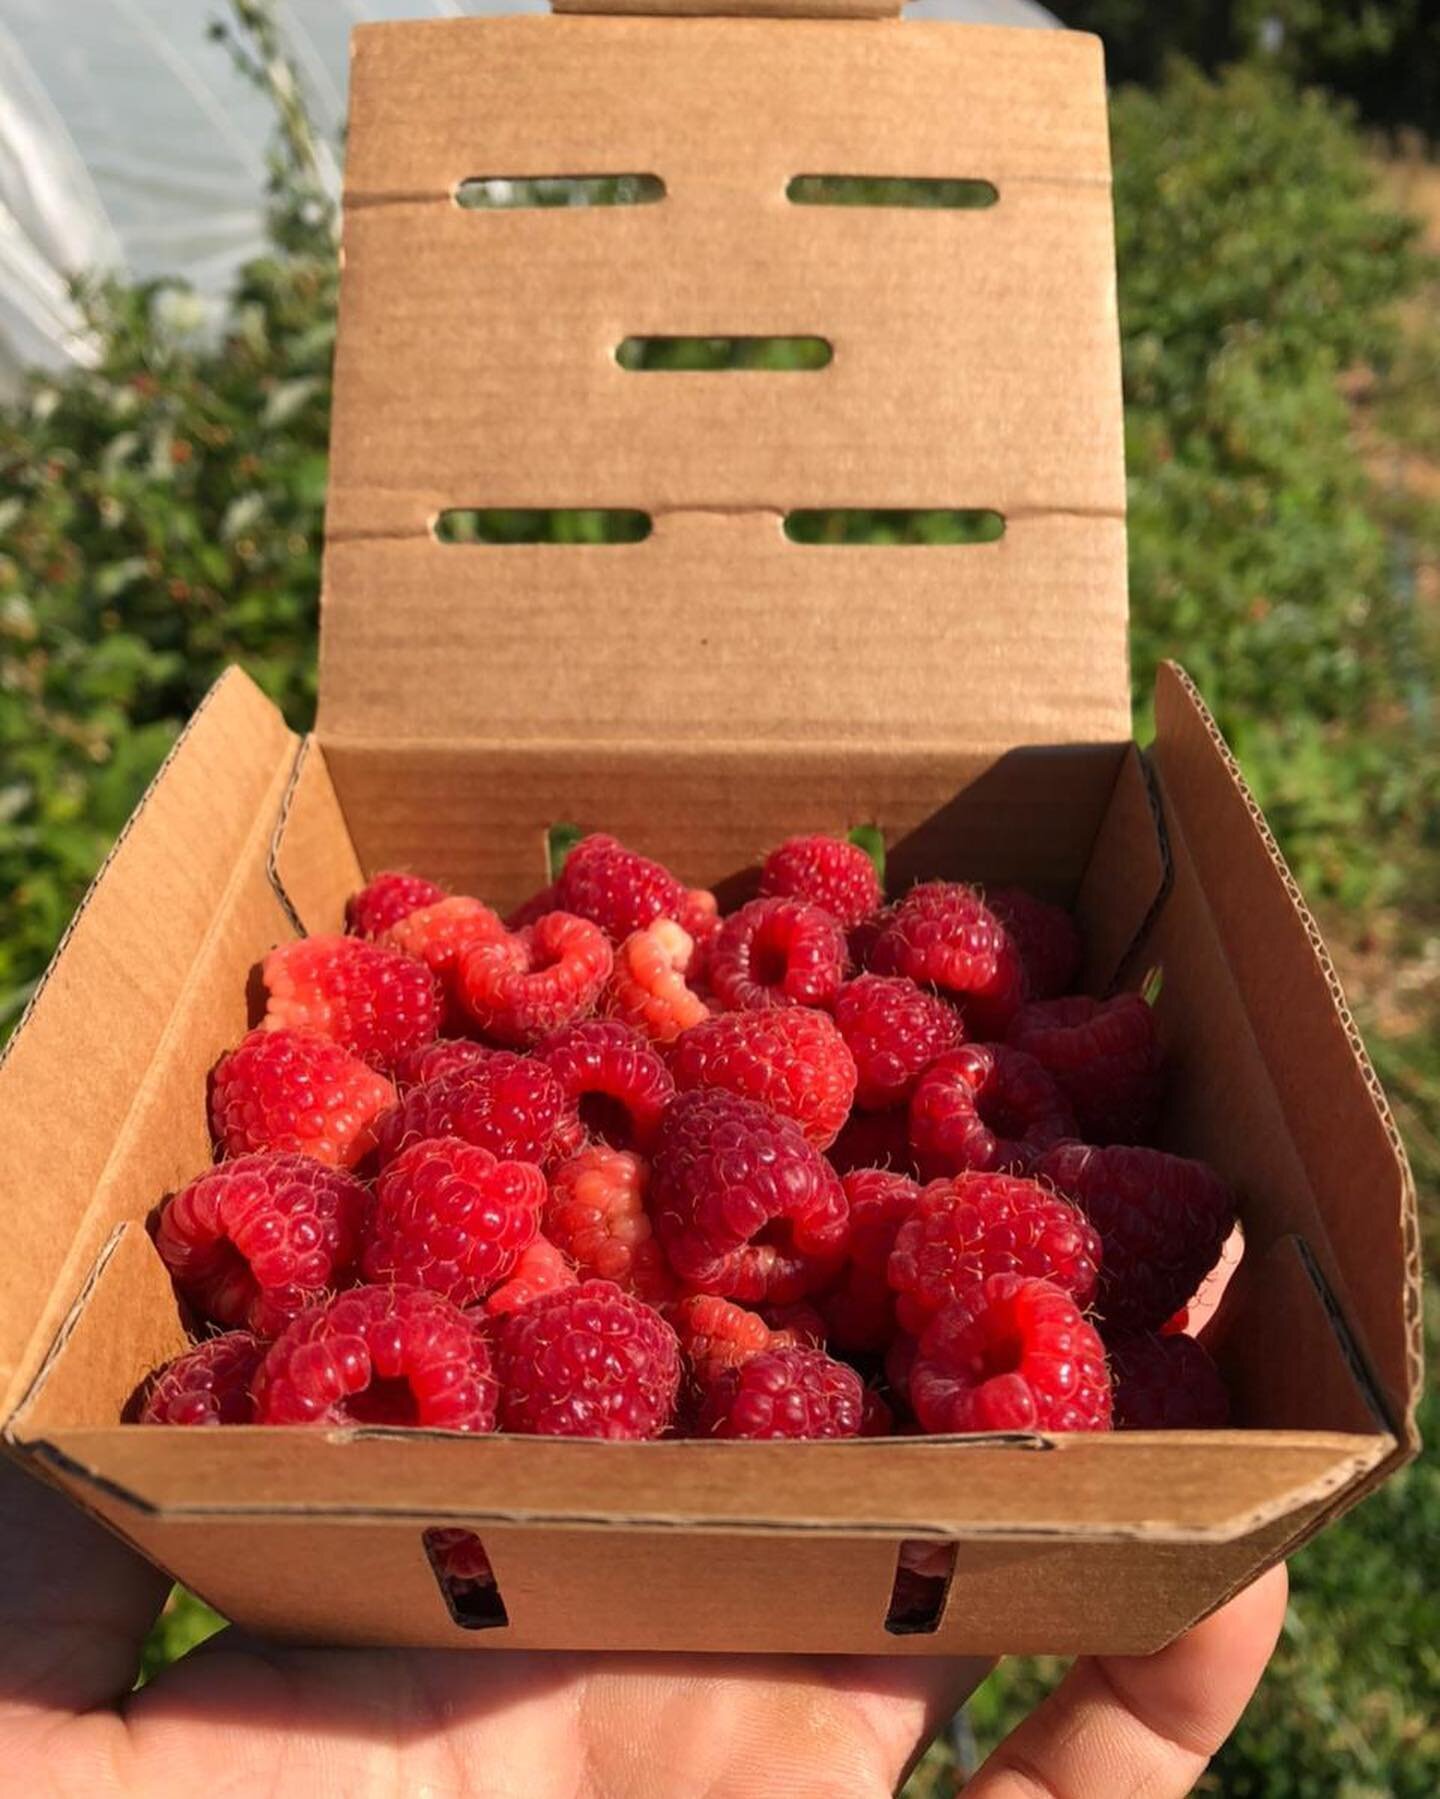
(1278, 214)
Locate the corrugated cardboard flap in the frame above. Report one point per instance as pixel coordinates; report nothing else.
(975, 367)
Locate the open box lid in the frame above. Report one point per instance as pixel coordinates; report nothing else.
(975, 366)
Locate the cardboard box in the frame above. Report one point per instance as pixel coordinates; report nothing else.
(702, 693)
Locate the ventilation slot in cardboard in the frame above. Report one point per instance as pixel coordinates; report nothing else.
(919, 192)
(465, 1578)
(469, 526)
(515, 193)
(923, 1572)
(934, 525)
(721, 355)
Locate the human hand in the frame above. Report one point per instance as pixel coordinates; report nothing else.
(241, 1717)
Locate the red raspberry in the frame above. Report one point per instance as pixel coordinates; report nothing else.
(742, 1203)
(827, 872)
(616, 1086)
(209, 1384)
(874, 1140)
(1177, 1323)
(717, 1331)
(300, 1091)
(797, 1325)
(589, 1361)
(542, 1269)
(617, 889)
(596, 1215)
(700, 916)
(1163, 1221)
(373, 1001)
(511, 1105)
(859, 1310)
(942, 934)
(459, 1558)
(522, 988)
(895, 1030)
(781, 1393)
(386, 900)
(439, 935)
(257, 1240)
(1167, 1383)
(446, 1055)
(777, 952)
(1011, 1355)
(863, 937)
(792, 1060)
(380, 1355)
(452, 1218)
(1105, 1056)
(964, 1230)
(648, 987)
(877, 1419)
(534, 909)
(984, 1106)
(1046, 937)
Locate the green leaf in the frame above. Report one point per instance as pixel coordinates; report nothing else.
(559, 841)
(871, 839)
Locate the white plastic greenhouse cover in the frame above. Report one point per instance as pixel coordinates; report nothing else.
(129, 142)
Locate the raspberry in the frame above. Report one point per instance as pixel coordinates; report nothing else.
(700, 916)
(296, 1090)
(859, 1310)
(439, 935)
(588, 1361)
(459, 1558)
(209, 1384)
(715, 1331)
(899, 1360)
(797, 1325)
(984, 1106)
(375, 1002)
(1162, 1220)
(965, 1230)
(596, 1215)
(942, 934)
(874, 1140)
(792, 1060)
(1011, 1355)
(452, 1218)
(827, 872)
(534, 909)
(742, 1203)
(542, 1269)
(894, 1030)
(1046, 937)
(1105, 1056)
(616, 888)
(446, 1055)
(380, 1355)
(616, 1086)
(1166, 1383)
(258, 1239)
(876, 1417)
(648, 988)
(511, 1105)
(387, 899)
(781, 1393)
(522, 988)
(777, 952)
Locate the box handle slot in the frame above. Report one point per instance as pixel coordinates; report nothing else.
(921, 1588)
(465, 1578)
(926, 193)
(724, 355)
(472, 527)
(520, 193)
(930, 526)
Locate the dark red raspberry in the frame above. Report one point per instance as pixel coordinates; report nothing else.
(899, 1360)
(1046, 936)
(797, 1325)
(387, 899)
(1166, 1383)
(522, 988)
(380, 1355)
(792, 1060)
(700, 918)
(373, 1001)
(877, 1419)
(964, 1230)
(827, 872)
(209, 1384)
(439, 936)
(943, 935)
(258, 1239)
(596, 1215)
(542, 1269)
(296, 1090)
(446, 1055)
(1162, 1221)
(589, 1361)
(1105, 1055)
(616, 1086)
(459, 1558)
(988, 1107)
(777, 952)
(452, 1218)
(895, 1030)
(742, 1204)
(649, 988)
(874, 1140)
(616, 888)
(534, 909)
(511, 1105)
(715, 1330)
(859, 1310)
(1011, 1355)
(780, 1393)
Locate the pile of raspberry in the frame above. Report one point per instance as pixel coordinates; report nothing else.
(620, 1166)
